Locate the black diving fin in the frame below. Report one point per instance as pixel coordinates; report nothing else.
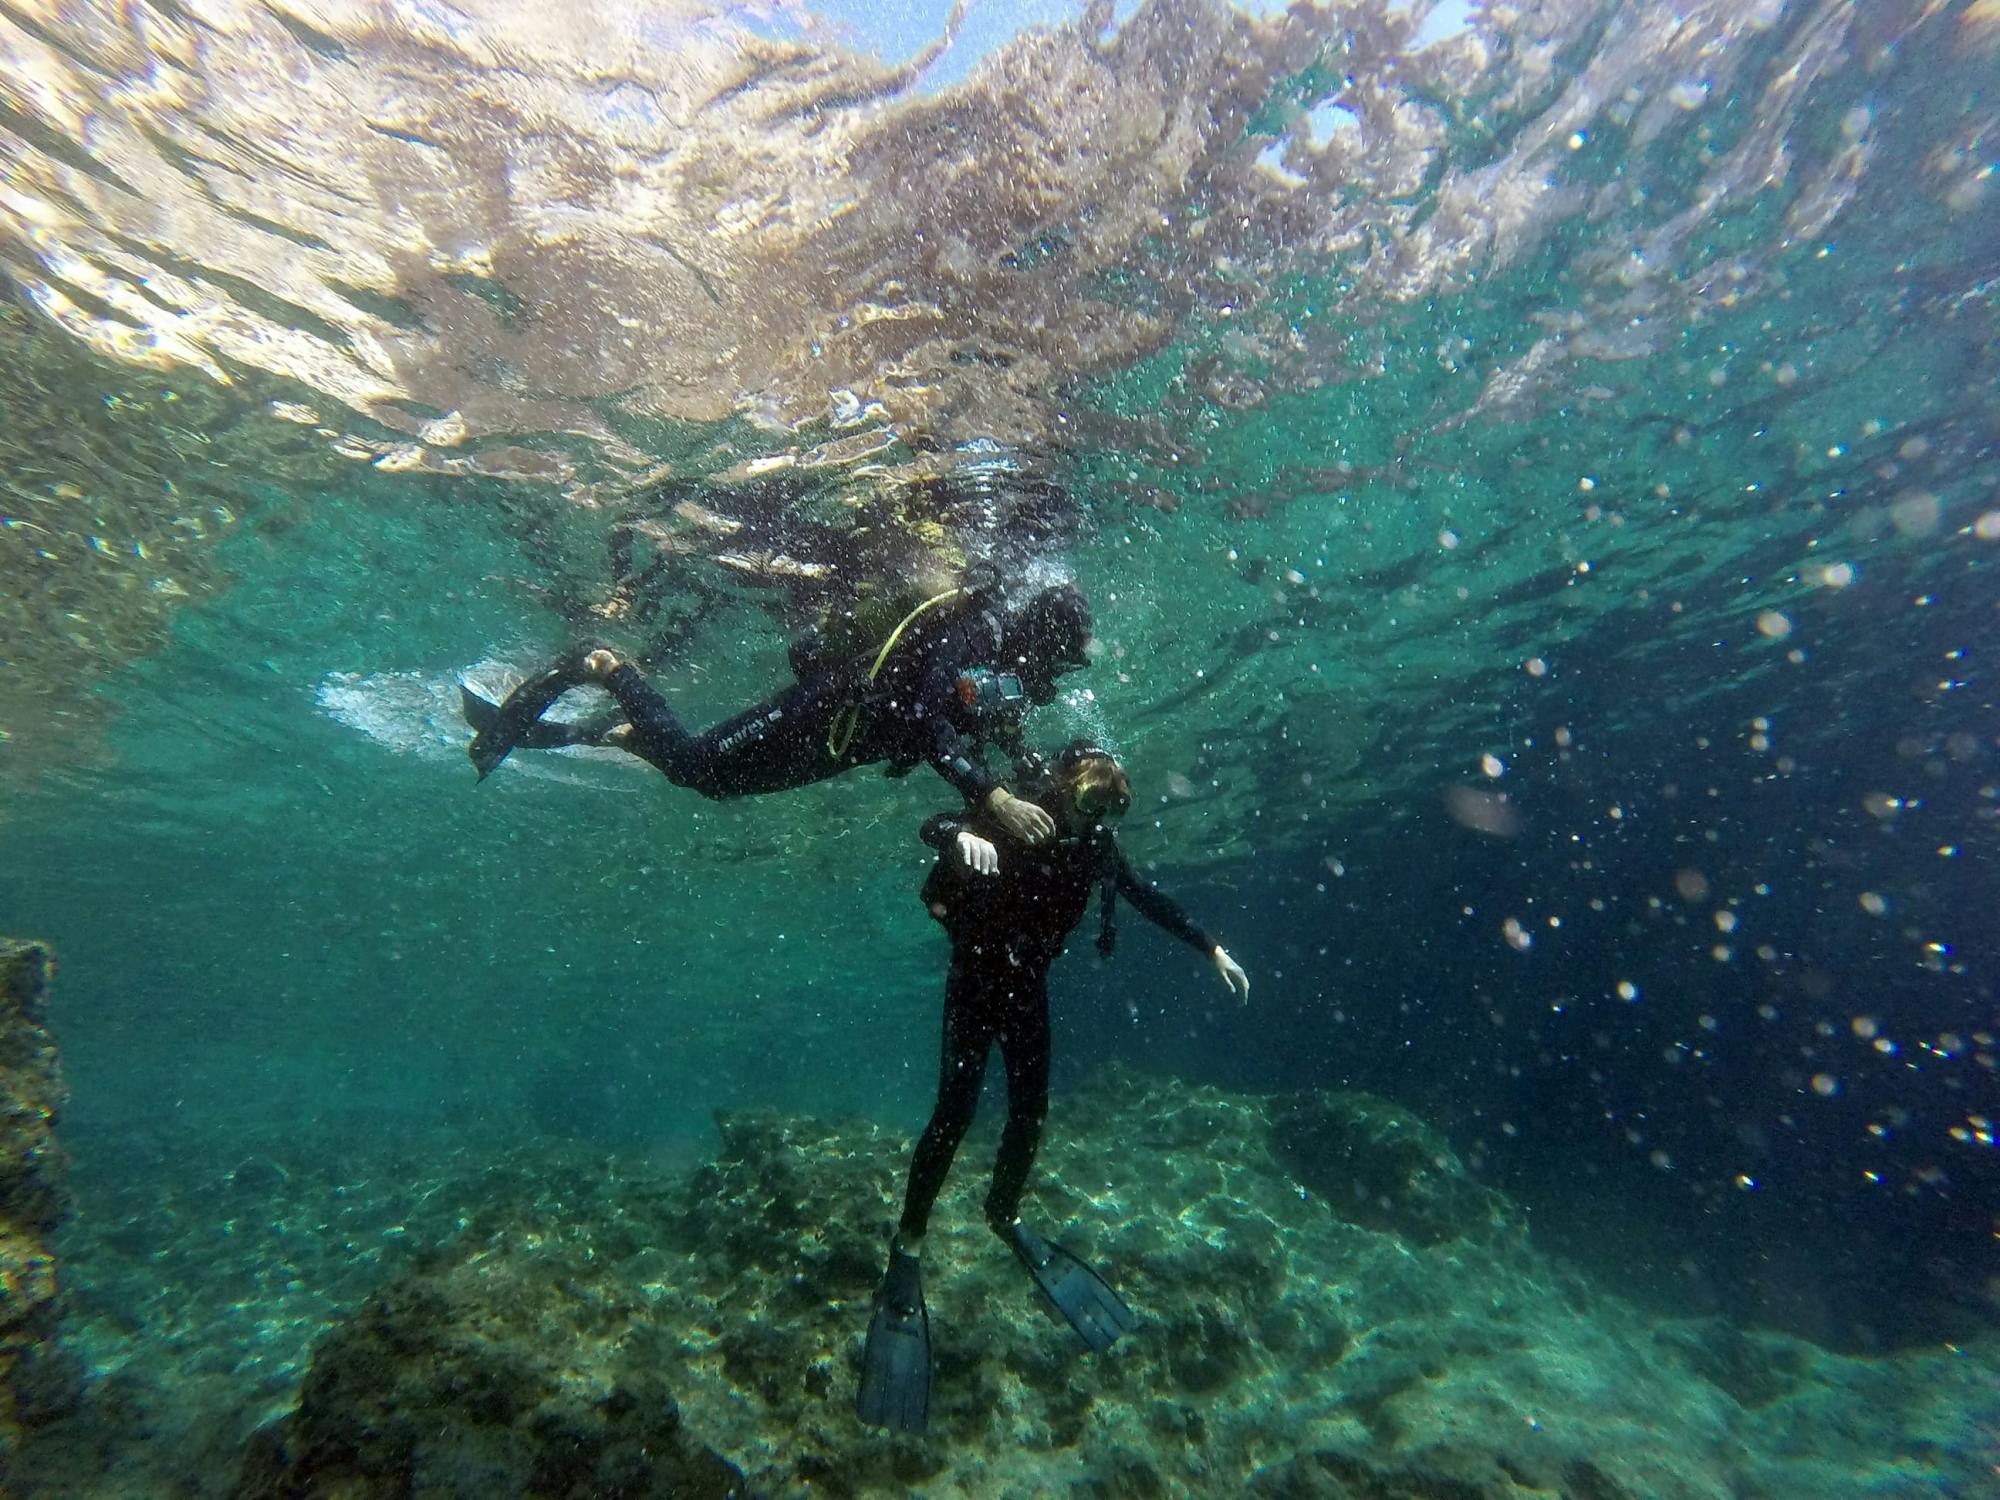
(896, 1361)
(514, 723)
(1098, 1314)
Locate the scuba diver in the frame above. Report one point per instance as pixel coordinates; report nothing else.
(956, 672)
(1008, 919)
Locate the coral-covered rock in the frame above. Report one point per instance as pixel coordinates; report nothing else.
(39, 1379)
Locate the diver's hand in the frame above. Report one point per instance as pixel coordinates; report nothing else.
(978, 854)
(599, 665)
(1231, 972)
(1022, 820)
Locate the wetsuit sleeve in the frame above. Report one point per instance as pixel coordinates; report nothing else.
(958, 761)
(940, 829)
(1158, 907)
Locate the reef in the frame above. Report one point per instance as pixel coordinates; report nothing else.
(39, 1377)
(556, 1323)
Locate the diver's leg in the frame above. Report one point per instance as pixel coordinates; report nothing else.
(771, 747)
(1024, 1048)
(656, 735)
(968, 1037)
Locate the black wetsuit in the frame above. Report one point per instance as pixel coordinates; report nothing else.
(942, 692)
(1006, 930)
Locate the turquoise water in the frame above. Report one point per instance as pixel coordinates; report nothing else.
(1538, 492)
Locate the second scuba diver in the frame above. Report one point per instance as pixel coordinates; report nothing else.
(1009, 915)
(958, 671)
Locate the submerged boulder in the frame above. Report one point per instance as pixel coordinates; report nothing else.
(1379, 1166)
(490, 1376)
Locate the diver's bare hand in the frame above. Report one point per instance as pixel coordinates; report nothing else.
(1231, 972)
(979, 854)
(600, 664)
(1022, 820)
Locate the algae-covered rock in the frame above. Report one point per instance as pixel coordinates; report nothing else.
(39, 1379)
(1381, 1167)
(493, 1376)
(560, 1323)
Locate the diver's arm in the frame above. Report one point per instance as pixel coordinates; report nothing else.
(940, 829)
(1158, 907)
(957, 761)
(1163, 911)
(975, 851)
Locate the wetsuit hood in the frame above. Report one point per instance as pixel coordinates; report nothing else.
(1046, 637)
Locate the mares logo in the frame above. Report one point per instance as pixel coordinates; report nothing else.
(752, 730)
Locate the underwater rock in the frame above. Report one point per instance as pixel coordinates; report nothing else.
(39, 1378)
(486, 1378)
(1381, 1167)
(592, 1325)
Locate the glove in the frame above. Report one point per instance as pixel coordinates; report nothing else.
(979, 854)
(1231, 972)
(1022, 820)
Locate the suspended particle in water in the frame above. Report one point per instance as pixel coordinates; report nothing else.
(1536, 666)
(1915, 514)
(1518, 937)
(1744, 1181)
(1661, 1160)
(1492, 765)
(1483, 812)
(1825, 1085)
(1627, 990)
(1692, 885)
(1773, 626)
(1864, 1027)
(1447, 539)
(1874, 904)
(1987, 527)
(1837, 575)
(1725, 921)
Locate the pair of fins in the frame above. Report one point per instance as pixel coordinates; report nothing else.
(516, 723)
(896, 1361)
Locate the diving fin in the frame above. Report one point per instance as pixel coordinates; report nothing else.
(1096, 1312)
(896, 1362)
(543, 734)
(501, 729)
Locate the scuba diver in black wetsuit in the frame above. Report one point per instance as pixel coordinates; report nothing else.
(1008, 917)
(957, 671)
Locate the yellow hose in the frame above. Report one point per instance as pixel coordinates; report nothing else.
(848, 720)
